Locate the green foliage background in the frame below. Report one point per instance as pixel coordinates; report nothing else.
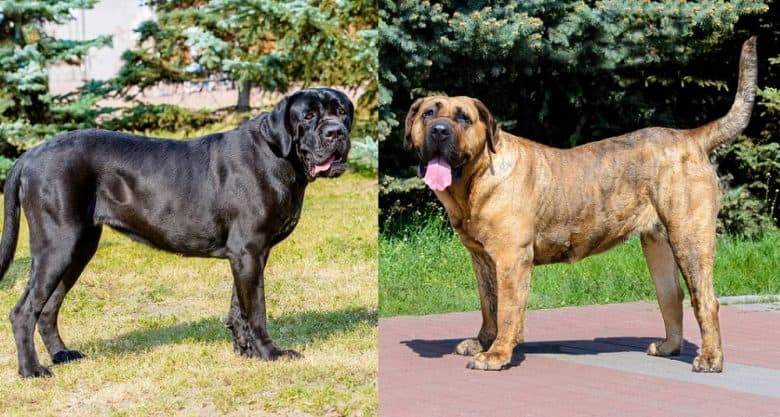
(568, 72)
(28, 113)
(271, 44)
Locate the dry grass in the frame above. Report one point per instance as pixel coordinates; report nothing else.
(151, 324)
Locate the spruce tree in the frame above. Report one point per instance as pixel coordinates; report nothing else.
(564, 72)
(270, 44)
(28, 112)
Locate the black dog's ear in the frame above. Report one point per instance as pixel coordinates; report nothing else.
(409, 122)
(350, 111)
(490, 123)
(279, 133)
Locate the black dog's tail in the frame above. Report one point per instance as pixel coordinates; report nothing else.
(10, 219)
(736, 120)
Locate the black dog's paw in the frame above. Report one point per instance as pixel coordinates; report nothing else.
(36, 372)
(286, 354)
(64, 356)
(243, 340)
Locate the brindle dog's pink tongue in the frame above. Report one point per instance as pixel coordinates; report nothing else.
(438, 175)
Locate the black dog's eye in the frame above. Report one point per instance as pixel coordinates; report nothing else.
(428, 113)
(464, 118)
(309, 116)
(341, 111)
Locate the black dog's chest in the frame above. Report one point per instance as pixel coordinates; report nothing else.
(288, 218)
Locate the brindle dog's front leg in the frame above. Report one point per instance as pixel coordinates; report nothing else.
(248, 324)
(513, 265)
(485, 271)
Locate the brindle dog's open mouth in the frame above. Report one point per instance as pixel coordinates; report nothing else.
(438, 173)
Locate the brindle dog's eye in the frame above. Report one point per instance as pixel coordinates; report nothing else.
(428, 113)
(341, 111)
(462, 117)
(309, 116)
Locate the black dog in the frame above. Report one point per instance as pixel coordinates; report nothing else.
(228, 195)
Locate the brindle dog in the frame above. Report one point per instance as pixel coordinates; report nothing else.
(517, 203)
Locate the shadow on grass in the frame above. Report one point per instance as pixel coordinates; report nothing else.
(440, 348)
(301, 328)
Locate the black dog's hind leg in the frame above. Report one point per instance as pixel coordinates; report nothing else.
(47, 322)
(54, 249)
(45, 275)
(249, 325)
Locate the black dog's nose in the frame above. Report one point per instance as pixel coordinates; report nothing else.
(334, 132)
(440, 131)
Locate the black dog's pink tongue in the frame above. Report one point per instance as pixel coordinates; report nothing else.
(323, 166)
(438, 175)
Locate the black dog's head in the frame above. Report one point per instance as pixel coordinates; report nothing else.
(313, 126)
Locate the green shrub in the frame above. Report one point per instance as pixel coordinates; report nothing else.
(750, 208)
(405, 201)
(364, 156)
(148, 117)
(5, 166)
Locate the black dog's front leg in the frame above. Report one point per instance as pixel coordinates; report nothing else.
(247, 316)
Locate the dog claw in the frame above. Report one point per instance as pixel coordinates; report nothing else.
(657, 349)
(468, 347)
(284, 355)
(487, 361)
(707, 365)
(37, 372)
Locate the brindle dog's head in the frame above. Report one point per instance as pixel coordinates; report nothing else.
(454, 129)
(313, 126)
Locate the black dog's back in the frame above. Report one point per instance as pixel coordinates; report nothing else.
(131, 183)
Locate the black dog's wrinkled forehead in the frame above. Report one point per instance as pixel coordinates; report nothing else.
(326, 100)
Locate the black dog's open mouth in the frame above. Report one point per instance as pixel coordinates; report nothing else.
(331, 167)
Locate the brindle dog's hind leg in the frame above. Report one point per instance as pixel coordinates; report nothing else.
(690, 223)
(663, 270)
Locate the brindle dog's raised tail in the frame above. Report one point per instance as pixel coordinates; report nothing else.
(734, 122)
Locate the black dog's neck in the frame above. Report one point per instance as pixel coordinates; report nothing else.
(261, 129)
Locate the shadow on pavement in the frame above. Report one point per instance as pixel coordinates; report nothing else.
(440, 348)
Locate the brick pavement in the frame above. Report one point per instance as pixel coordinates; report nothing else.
(581, 361)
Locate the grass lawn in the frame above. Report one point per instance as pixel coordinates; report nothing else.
(151, 324)
(425, 269)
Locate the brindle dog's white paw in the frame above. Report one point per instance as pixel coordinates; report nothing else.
(489, 361)
(664, 348)
(711, 362)
(469, 347)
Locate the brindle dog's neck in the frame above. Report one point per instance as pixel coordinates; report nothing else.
(457, 198)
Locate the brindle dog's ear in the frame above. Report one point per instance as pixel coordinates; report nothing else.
(279, 133)
(409, 122)
(490, 123)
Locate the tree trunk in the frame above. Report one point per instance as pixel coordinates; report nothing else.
(244, 91)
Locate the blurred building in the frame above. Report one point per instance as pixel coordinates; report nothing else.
(109, 17)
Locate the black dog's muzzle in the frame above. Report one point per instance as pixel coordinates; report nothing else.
(330, 159)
